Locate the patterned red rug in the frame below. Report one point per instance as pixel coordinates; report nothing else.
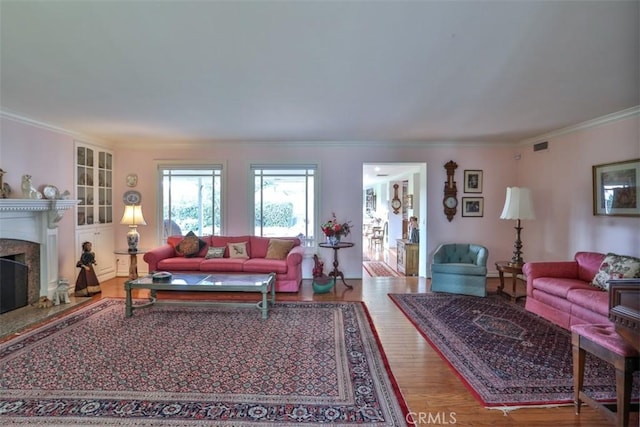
(379, 269)
(505, 355)
(307, 364)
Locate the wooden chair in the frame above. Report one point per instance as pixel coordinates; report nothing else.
(376, 241)
(604, 342)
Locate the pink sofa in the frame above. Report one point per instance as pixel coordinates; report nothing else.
(561, 291)
(288, 271)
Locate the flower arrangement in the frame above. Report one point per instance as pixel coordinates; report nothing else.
(334, 228)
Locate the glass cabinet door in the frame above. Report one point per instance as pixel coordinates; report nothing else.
(94, 170)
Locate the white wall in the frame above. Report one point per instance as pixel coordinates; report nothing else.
(48, 156)
(560, 179)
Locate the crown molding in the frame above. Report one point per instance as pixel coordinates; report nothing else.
(609, 118)
(599, 121)
(49, 127)
(309, 143)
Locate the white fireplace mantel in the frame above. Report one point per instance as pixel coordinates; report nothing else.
(36, 220)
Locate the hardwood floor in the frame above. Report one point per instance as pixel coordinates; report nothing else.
(430, 387)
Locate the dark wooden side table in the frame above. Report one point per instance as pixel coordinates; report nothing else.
(336, 271)
(514, 270)
(133, 260)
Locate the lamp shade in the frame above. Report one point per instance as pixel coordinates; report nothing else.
(133, 215)
(518, 204)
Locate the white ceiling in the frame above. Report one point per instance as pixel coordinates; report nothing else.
(433, 71)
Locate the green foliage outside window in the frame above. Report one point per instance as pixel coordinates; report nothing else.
(275, 215)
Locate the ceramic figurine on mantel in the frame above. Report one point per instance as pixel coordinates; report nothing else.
(5, 191)
(28, 190)
(3, 194)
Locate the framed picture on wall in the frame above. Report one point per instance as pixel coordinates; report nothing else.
(615, 188)
(370, 200)
(408, 201)
(473, 206)
(472, 181)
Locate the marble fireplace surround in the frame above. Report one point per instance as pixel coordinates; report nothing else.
(36, 221)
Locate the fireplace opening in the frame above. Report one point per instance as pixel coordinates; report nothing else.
(14, 282)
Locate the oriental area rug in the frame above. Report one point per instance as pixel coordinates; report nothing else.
(379, 269)
(506, 356)
(312, 363)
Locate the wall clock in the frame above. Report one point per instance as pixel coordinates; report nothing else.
(396, 204)
(450, 201)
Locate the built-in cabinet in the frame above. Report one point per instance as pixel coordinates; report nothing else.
(94, 212)
(407, 257)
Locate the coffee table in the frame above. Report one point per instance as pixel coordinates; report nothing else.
(205, 283)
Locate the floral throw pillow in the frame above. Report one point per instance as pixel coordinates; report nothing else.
(214, 252)
(190, 245)
(238, 250)
(616, 267)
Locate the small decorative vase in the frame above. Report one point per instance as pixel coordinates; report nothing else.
(333, 240)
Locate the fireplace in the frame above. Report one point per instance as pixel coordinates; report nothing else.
(29, 232)
(14, 282)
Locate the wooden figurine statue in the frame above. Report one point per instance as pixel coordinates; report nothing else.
(87, 283)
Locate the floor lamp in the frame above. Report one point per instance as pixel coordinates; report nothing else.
(133, 218)
(518, 206)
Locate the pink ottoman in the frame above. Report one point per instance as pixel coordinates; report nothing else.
(604, 342)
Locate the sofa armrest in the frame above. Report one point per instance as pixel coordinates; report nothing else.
(295, 255)
(558, 269)
(439, 255)
(483, 255)
(155, 255)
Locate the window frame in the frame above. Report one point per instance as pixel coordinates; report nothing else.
(192, 166)
(311, 228)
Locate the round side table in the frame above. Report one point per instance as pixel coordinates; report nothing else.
(133, 260)
(336, 271)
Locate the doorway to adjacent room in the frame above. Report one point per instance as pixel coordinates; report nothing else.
(391, 194)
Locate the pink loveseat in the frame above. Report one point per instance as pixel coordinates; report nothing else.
(561, 292)
(288, 271)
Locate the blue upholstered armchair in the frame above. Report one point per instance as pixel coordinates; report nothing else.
(460, 269)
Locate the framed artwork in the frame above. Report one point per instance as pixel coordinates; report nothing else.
(472, 181)
(408, 201)
(370, 200)
(473, 206)
(615, 188)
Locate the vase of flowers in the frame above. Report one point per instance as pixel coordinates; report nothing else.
(334, 230)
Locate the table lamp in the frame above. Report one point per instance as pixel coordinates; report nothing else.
(133, 218)
(518, 205)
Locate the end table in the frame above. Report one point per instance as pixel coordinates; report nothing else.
(514, 270)
(336, 271)
(133, 260)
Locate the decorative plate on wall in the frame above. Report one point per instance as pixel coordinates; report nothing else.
(132, 197)
(132, 180)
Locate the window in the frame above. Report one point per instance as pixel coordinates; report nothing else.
(191, 199)
(285, 201)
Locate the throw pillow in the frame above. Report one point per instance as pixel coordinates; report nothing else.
(616, 267)
(190, 245)
(278, 248)
(238, 250)
(214, 252)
